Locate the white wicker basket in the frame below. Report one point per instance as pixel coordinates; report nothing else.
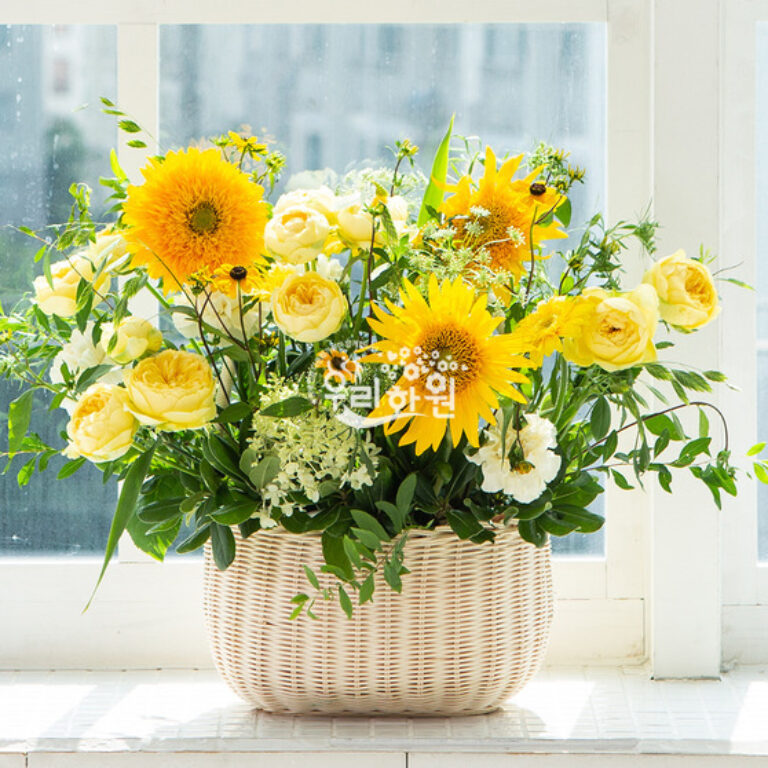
(469, 629)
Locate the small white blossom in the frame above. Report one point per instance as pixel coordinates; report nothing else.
(473, 228)
(527, 480)
(479, 212)
(516, 235)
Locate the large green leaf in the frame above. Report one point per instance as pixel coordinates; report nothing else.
(126, 505)
(433, 194)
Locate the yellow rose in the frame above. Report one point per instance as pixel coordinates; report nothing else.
(61, 298)
(172, 390)
(308, 307)
(355, 223)
(687, 295)
(133, 338)
(109, 246)
(619, 331)
(101, 427)
(320, 199)
(297, 234)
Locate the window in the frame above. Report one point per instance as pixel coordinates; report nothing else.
(46, 75)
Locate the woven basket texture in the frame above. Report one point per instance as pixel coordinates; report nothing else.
(469, 629)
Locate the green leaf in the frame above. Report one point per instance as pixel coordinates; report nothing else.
(234, 514)
(24, 475)
(352, 553)
(368, 538)
(129, 126)
(405, 493)
(137, 143)
(392, 512)
(715, 376)
(311, 577)
(464, 525)
(620, 480)
(19, 415)
(563, 212)
(292, 406)
(70, 468)
(761, 472)
(234, 413)
(126, 506)
(703, 423)
(223, 546)
(530, 531)
(584, 520)
(194, 540)
(433, 194)
(610, 445)
(265, 471)
(755, 449)
(600, 418)
(367, 589)
(345, 602)
(335, 556)
(156, 543)
(369, 523)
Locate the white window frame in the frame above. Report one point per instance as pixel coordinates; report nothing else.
(745, 581)
(624, 608)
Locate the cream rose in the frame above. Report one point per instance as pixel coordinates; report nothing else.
(320, 199)
(133, 338)
(101, 427)
(355, 223)
(687, 295)
(296, 234)
(619, 332)
(172, 390)
(61, 298)
(308, 307)
(221, 312)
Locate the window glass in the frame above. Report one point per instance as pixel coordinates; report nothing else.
(761, 174)
(336, 96)
(53, 134)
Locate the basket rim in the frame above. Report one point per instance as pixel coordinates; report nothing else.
(438, 531)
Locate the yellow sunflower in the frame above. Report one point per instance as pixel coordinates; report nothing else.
(540, 333)
(500, 214)
(194, 211)
(454, 364)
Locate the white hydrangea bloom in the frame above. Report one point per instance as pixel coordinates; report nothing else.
(313, 448)
(528, 480)
(221, 312)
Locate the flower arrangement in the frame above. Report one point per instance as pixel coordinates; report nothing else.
(359, 358)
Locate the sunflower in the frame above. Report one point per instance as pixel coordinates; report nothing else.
(540, 333)
(454, 364)
(337, 365)
(500, 215)
(194, 211)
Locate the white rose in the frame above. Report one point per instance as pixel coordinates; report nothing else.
(296, 234)
(329, 268)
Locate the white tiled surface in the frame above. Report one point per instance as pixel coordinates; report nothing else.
(106, 719)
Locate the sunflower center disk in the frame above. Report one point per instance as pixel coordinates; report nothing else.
(203, 219)
(448, 354)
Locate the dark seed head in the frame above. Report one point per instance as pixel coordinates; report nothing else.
(537, 188)
(238, 273)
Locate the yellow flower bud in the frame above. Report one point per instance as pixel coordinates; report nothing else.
(133, 338)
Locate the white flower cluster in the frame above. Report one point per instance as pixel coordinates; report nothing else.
(528, 479)
(313, 448)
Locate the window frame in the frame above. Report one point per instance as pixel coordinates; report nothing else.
(602, 615)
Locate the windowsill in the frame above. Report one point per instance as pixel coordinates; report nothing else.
(62, 718)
